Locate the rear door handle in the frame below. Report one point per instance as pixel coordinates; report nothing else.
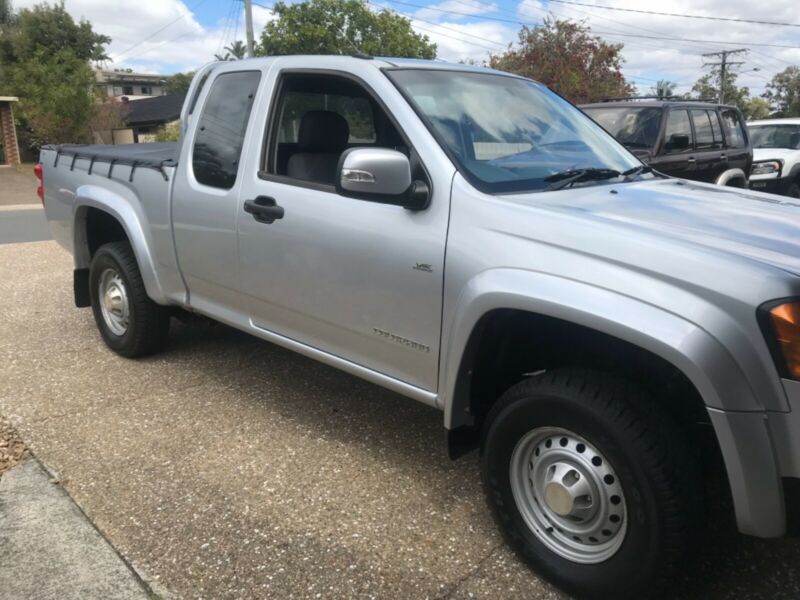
(691, 159)
(264, 209)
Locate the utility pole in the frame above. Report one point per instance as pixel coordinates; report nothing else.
(723, 65)
(248, 20)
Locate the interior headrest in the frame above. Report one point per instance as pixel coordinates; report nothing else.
(323, 130)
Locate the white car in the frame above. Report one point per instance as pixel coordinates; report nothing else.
(776, 156)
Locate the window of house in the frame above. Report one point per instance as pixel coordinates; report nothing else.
(147, 90)
(677, 126)
(220, 131)
(318, 117)
(127, 90)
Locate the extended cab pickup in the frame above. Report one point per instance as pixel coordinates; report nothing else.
(469, 239)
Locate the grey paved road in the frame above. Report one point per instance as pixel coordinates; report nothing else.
(227, 467)
(23, 225)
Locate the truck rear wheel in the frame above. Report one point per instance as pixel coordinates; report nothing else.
(130, 323)
(591, 482)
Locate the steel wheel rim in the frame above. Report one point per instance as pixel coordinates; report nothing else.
(114, 305)
(569, 495)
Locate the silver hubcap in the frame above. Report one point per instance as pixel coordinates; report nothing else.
(569, 495)
(114, 302)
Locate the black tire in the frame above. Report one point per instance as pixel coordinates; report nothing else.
(148, 322)
(794, 190)
(649, 455)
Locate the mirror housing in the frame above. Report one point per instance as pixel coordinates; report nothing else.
(381, 175)
(678, 141)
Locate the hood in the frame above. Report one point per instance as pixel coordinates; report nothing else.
(760, 227)
(784, 154)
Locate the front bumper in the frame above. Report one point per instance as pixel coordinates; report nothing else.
(761, 451)
(774, 185)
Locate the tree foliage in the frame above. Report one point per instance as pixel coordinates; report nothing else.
(783, 92)
(566, 57)
(664, 89)
(179, 83)
(341, 27)
(757, 108)
(708, 87)
(44, 60)
(235, 51)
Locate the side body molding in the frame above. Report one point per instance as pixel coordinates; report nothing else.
(90, 196)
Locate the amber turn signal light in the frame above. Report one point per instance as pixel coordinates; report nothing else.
(786, 324)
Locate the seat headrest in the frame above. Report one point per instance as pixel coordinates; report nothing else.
(323, 130)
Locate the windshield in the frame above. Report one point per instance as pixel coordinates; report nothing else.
(634, 127)
(506, 133)
(775, 136)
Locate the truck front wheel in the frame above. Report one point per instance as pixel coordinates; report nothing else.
(130, 323)
(591, 482)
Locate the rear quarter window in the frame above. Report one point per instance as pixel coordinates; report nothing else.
(734, 132)
(221, 128)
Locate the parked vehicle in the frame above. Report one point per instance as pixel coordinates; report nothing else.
(692, 140)
(469, 239)
(776, 156)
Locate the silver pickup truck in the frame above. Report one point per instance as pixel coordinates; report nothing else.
(469, 239)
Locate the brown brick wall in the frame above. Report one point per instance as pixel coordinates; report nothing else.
(9, 133)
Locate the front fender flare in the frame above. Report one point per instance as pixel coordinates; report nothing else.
(685, 345)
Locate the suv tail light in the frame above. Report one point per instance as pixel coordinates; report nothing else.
(37, 170)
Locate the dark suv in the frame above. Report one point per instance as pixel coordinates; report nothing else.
(694, 140)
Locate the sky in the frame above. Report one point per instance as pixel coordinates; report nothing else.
(167, 36)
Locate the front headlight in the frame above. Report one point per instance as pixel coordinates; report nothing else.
(766, 167)
(780, 321)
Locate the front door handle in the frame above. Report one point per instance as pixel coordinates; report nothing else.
(264, 209)
(691, 159)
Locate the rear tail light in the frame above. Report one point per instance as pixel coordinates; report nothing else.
(37, 170)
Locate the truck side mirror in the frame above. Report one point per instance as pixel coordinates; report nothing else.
(678, 141)
(381, 175)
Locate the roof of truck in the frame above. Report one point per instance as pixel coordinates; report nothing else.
(361, 60)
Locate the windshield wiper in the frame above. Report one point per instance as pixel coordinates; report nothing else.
(561, 180)
(631, 173)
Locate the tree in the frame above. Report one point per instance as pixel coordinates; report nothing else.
(783, 92)
(44, 60)
(567, 58)
(664, 89)
(341, 27)
(235, 51)
(757, 108)
(107, 114)
(707, 87)
(179, 83)
(171, 132)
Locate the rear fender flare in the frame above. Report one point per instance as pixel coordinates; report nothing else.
(120, 208)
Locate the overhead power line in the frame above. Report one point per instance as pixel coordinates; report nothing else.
(155, 33)
(595, 31)
(682, 16)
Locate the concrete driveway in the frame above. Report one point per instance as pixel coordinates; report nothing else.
(227, 467)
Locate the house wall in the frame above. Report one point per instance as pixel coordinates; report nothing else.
(8, 131)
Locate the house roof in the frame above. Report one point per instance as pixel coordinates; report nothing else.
(9, 99)
(158, 109)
